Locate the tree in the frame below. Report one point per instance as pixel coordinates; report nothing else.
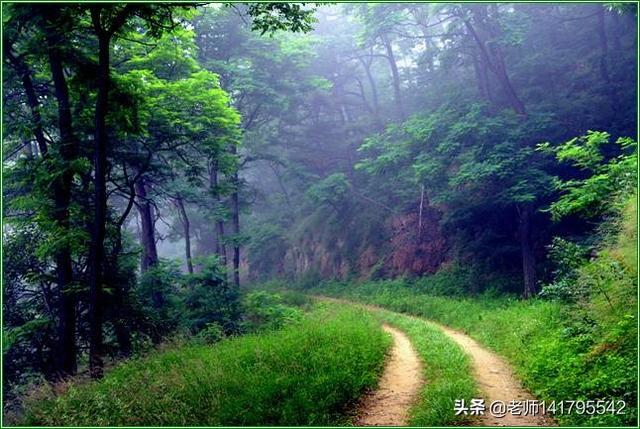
(608, 182)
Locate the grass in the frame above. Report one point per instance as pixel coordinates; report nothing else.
(303, 374)
(447, 371)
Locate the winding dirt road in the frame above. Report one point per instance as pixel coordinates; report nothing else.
(398, 388)
(402, 379)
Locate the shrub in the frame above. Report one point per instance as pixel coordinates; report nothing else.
(263, 310)
(158, 295)
(567, 258)
(211, 334)
(209, 298)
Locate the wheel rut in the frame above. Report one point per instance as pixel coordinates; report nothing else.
(399, 386)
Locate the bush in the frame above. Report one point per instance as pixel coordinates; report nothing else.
(211, 334)
(567, 258)
(158, 294)
(304, 374)
(263, 310)
(209, 298)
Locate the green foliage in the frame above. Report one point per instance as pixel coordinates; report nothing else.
(211, 334)
(188, 85)
(567, 258)
(266, 249)
(171, 300)
(264, 311)
(301, 375)
(608, 181)
(272, 17)
(332, 190)
(209, 298)
(13, 338)
(157, 292)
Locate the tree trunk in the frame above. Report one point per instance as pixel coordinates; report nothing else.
(96, 260)
(235, 219)
(528, 260)
(149, 256)
(32, 98)
(420, 211)
(187, 233)
(374, 91)
(494, 60)
(397, 95)
(66, 347)
(221, 248)
(121, 315)
(97, 253)
(482, 79)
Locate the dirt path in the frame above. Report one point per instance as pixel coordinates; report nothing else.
(497, 383)
(399, 386)
(496, 380)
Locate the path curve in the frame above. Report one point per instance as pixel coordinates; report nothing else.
(398, 388)
(495, 378)
(496, 382)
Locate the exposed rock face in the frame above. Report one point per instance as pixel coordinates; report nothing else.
(313, 255)
(410, 247)
(417, 246)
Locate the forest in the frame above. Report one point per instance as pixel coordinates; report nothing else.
(333, 214)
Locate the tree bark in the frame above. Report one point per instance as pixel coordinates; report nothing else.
(235, 221)
(187, 233)
(420, 211)
(482, 78)
(397, 95)
(221, 248)
(374, 91)
(149, 256)
(97, 255)
(120, 317)
(32, 98)
(68, 148)
(528, 259)
(494, 60)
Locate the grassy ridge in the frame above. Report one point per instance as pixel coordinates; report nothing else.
(447, 371)
(303, 374)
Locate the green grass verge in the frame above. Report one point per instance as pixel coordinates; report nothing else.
(447, 371)
(304, 374)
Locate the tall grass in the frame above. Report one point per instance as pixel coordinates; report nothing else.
(304, 374)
